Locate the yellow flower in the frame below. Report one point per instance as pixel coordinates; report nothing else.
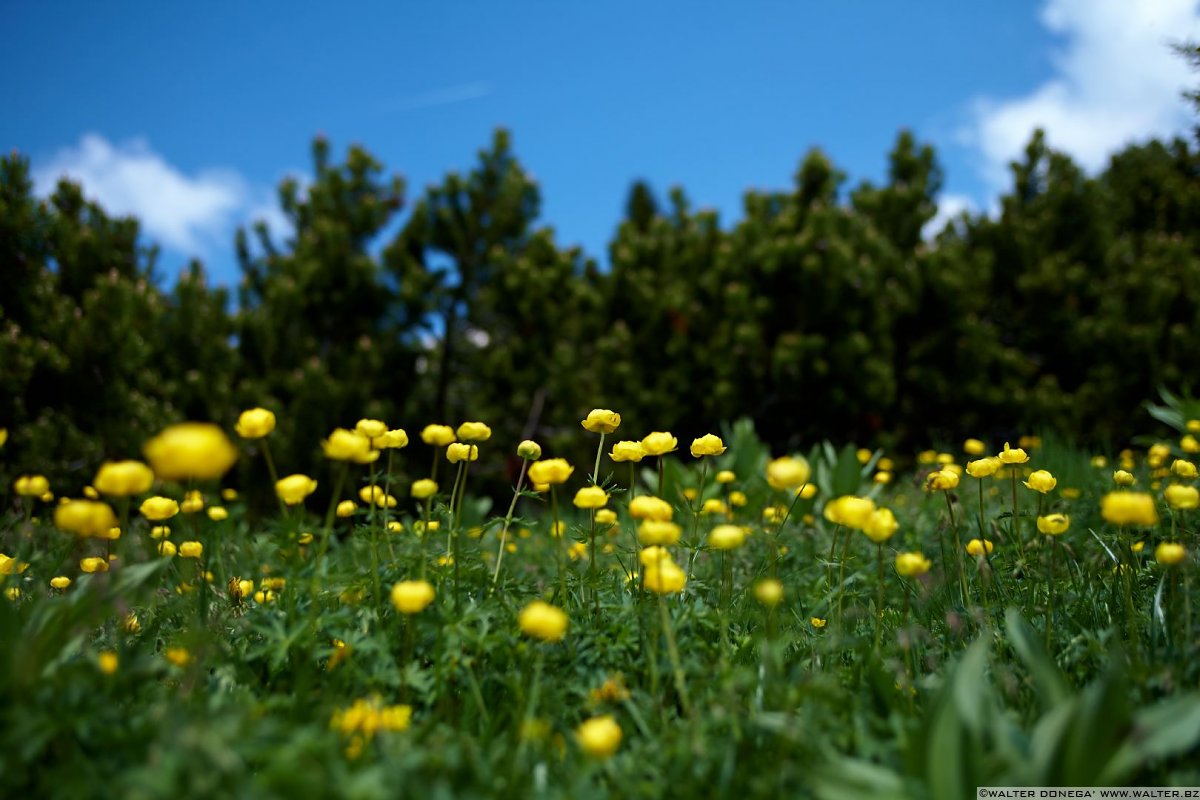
(658, 532)
(601, 420)
(229, 495)
(707, 445)
(1011, 456)
(983, 467)
(973, 447)
(910, 565)
(529, 450)
(1031, 442)
(737, 499)
(1123, 478)
(1181, 497)
(817, 622)
(1041, 481)
(412, 597)
(190, 451)
(255, 423)
(3, 436)
(927, 456)
(123, 478)
(551, 471)
(131, 624)
(577, 550)
(1071, 493)
(179, 656)
(191, 550)
(344, 445)
(167, 549)
(1129, 508)
(978, 547)
(346, 508)
(647, 507)
(157, 509)
(1099, 462)
(60, 582)
(591, 497)
(85, 518)
(376, 495)
(543, 621)
(769, 592)
(217, 514)
(437, 435)
(942, 481)
(599, 737)
(1169, 553)
(108, 662)
(1189, 444)
(726, 537)
(457, 451)
(31, 485)
(850, 511)
(664, 577)
(1053, 524)
(1184, 469)
(8, 564)
(787, 472)
(192, 502)
(881, 525)
(1157, 454)
(423, 488)
(627, 451)
(659, 443)
(93, 564)
(882, 478)
(370, 428)
(726, 476)
(606, 516)
(392, 440)
(294, 488)
(474, 432)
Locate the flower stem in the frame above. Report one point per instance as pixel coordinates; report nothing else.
(673, 652)
(958, 551)
(508, 521)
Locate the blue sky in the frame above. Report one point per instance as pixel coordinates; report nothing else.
(188, 114)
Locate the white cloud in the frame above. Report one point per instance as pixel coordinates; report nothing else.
(949, 207)
(194, 214)
(1116, 81)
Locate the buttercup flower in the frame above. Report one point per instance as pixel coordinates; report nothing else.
(346, 508)
(850, 511)
(1169, 553)
(910, 565)
(344, 445)
(1129, 508)
(599, 737)
(423, 488)
(85, 518)
(978, 547)
(529, 450)
(973, 447)
(942, 481)
(769, 592)
(1123, 478)
(606, 516)
(1010, 456)
(392, 440)
(370, 428)
(627, 451)
(664, 577)
(255, 423)
(376, 495)
(190, 451)
(166, 549)
(707, 445)
(412, 597)
(457, 451)
(1182, 498)
(726, 476)
(543, 621)
(1053, 524)
(437, 435)
(726, 537)
(647, 507)
(217, 514)
(474, 432)
(157, 509)
(591, 497)
(601, 420)
(1041, 481)
(191, 550)
(881, 525)
(659, 443)
(193, 501)
(658, 532)
(983, 467)
(787, 472)
(551, 471)
(123, 478)
(93, 564)
(294, 488)
(31, 485)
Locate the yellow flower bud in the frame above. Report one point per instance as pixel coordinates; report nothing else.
(529, 450)
(191, 550)
(1053, 524)
(423, 488)
(787, 472)
(973, 447)
(123, 478)
(437, 435)
(412, 597)
(346, 508)
(457, 451)
(1041, 481)
(255, 423)
(911, 565)
(769, 592)
(658, 532)
(294, 488)
(599, 737)
(707, 445)
(1169, 553)
(31, 485)
(726, 537)
(591, 497)
(601, 420)
(978, 547)
(850, 511)
(647, 507)
(345, 445)
(1123, 478)
(190, 451)
(627, 451)
(659, 443)
(1181, 497)
(881, 525)
(1129, 508)
(474, 432)
(543, 621)
(552, 471)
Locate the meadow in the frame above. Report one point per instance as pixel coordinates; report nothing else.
(672, 618)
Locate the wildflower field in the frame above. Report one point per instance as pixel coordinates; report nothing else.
(668, 620)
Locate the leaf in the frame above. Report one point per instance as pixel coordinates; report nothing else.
(1169, 728)
(1046, 676)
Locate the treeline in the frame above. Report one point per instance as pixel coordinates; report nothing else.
(821, 313)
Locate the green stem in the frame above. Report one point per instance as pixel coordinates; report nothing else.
(879, 595)
(508, 521)
(673, 653)
(1050, 597)
(958, 551)
(266, 448)
(562, 555)
(596, 468)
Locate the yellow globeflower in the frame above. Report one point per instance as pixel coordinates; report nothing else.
(294, 488)
(191, 550)
(85, 518)
(606, 516)
(167, 549)
(974, 447)
(911, 565)
(1041, 481)
(978, 547)
(543, 621)
(664, 577)
(392, 440)
(1053, 524)
(850, 511)
(412, 597)
(31, 485)
(255, 423)
(190, 451)
(726, 476)
(157, 509)
(769, 592)
(1010, 456)
(658, 532)
(1169, 553)
(707, 445)
(881, 525)
(551, 471)
(370, 428)
(1182, 498)
(93, 564)
(599, 737)
(983, 467)
(1189, 444)
(647, 507)
(1129, 508)
(474, 432)
(659, 443)
(601, 420)
(591, 497)
(3, 436)
(346, 508)
(1123, 478)
(1184, 469)
(738, 499)
(423, 488)
(457, 451)
(529, 450)
(217, 514)
(344, 445)
(61, 582)
(123, 478)
(627, 451)
(377, 496)
(942, 481)
(437, 435)
(726, 537)
(193, 501)
(788, 472)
